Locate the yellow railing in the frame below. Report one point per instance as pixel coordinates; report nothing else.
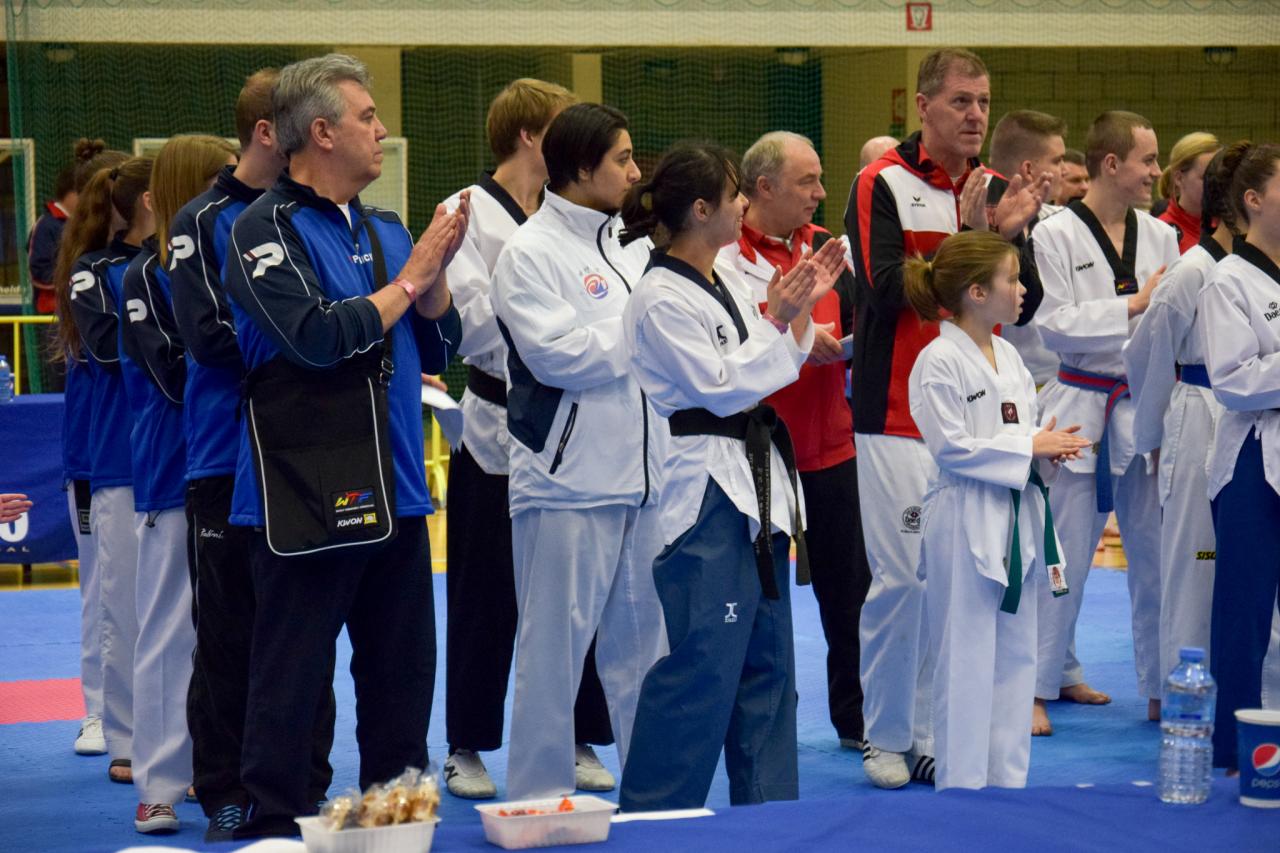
(17, 323)
(437, 461)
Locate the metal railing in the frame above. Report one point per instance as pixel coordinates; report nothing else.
(17, 322)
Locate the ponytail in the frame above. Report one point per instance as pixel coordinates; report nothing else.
(109, 190)
(1215, 204)
(638, 217)
(917, 282)
(936, 288)
(1247, 166)
(688, 171)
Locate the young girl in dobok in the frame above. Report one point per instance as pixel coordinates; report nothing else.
(988, 537)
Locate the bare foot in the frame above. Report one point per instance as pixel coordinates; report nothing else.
(1083, 694)
(1040, 725)
(1153, 710)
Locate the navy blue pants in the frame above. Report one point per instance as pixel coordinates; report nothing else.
(729, 679)
(1246, 519)
(383, 594)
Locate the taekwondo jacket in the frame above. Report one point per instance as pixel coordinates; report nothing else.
(95, 293)
(1240, 333)
(583, 433)
(495, 216)
(978, 425)
(154, 374)
(198, 241)
(689, 355)
(1086, 322)
(299, 276)
(1168, 335)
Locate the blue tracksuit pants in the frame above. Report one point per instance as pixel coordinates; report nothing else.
(1246, 516)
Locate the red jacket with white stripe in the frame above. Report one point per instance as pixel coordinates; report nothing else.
(901, 205)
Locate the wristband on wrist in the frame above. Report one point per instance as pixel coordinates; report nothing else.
(777, 324)
(407, 287)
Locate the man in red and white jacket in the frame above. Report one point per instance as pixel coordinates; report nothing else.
(782, 179)
(907, 203)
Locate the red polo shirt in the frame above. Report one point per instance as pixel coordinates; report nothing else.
(1187, 226)
(813, 407)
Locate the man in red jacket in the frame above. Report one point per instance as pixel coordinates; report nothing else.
(782, 179)
(907, 203)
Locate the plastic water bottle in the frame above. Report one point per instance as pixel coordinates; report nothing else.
(1186, 730)
(6, 381)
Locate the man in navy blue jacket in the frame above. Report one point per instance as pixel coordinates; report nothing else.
(300, 276)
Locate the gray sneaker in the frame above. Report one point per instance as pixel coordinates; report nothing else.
(589, 773)
(466, 777)
(885, 769)
(90, 740)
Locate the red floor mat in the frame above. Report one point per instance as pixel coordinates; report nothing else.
(41, 701)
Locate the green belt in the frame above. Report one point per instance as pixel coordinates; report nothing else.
(1014, 591)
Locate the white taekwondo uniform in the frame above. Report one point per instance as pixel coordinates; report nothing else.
(1084, 318)
(978, 425)
(587, 455)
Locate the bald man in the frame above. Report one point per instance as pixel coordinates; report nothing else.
(874, 148)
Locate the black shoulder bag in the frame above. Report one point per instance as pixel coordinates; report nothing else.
(322, 447)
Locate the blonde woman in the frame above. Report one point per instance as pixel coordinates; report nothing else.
(153, 363)
(1182, 183)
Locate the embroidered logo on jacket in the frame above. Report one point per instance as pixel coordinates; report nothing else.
(266, 256)
(911, 519)
(976, 395)
(1083, 267)
(81, 282)
(596, 285)
(137, 310)
(1271, 314)
(181, 247)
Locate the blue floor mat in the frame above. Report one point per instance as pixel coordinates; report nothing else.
(54, 800)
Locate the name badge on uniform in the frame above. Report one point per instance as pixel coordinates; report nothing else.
(1126, 286)
(1057, 580)
(1009, 412)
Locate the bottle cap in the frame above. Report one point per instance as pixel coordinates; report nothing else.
(1194, 654)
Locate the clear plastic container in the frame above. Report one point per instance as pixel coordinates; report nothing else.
(1186, 730)
(399, 838)
(587, 823)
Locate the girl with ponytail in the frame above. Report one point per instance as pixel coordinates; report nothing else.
(77, 463)
(154, 369)
(1240, 331)
(988, 539)
(115, 201)
(77, 460)
(705, 356)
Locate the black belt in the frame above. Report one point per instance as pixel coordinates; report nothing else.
(761, 429)
(491, 389)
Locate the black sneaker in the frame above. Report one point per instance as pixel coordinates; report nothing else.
(224, 822)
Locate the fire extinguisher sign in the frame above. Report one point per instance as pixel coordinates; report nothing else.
(919, 17)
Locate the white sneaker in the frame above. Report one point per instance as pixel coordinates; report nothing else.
(465, 776)
(90, 740)
(589, 773)
(885, 769)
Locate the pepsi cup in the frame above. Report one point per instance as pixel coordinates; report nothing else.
(1258, 735)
